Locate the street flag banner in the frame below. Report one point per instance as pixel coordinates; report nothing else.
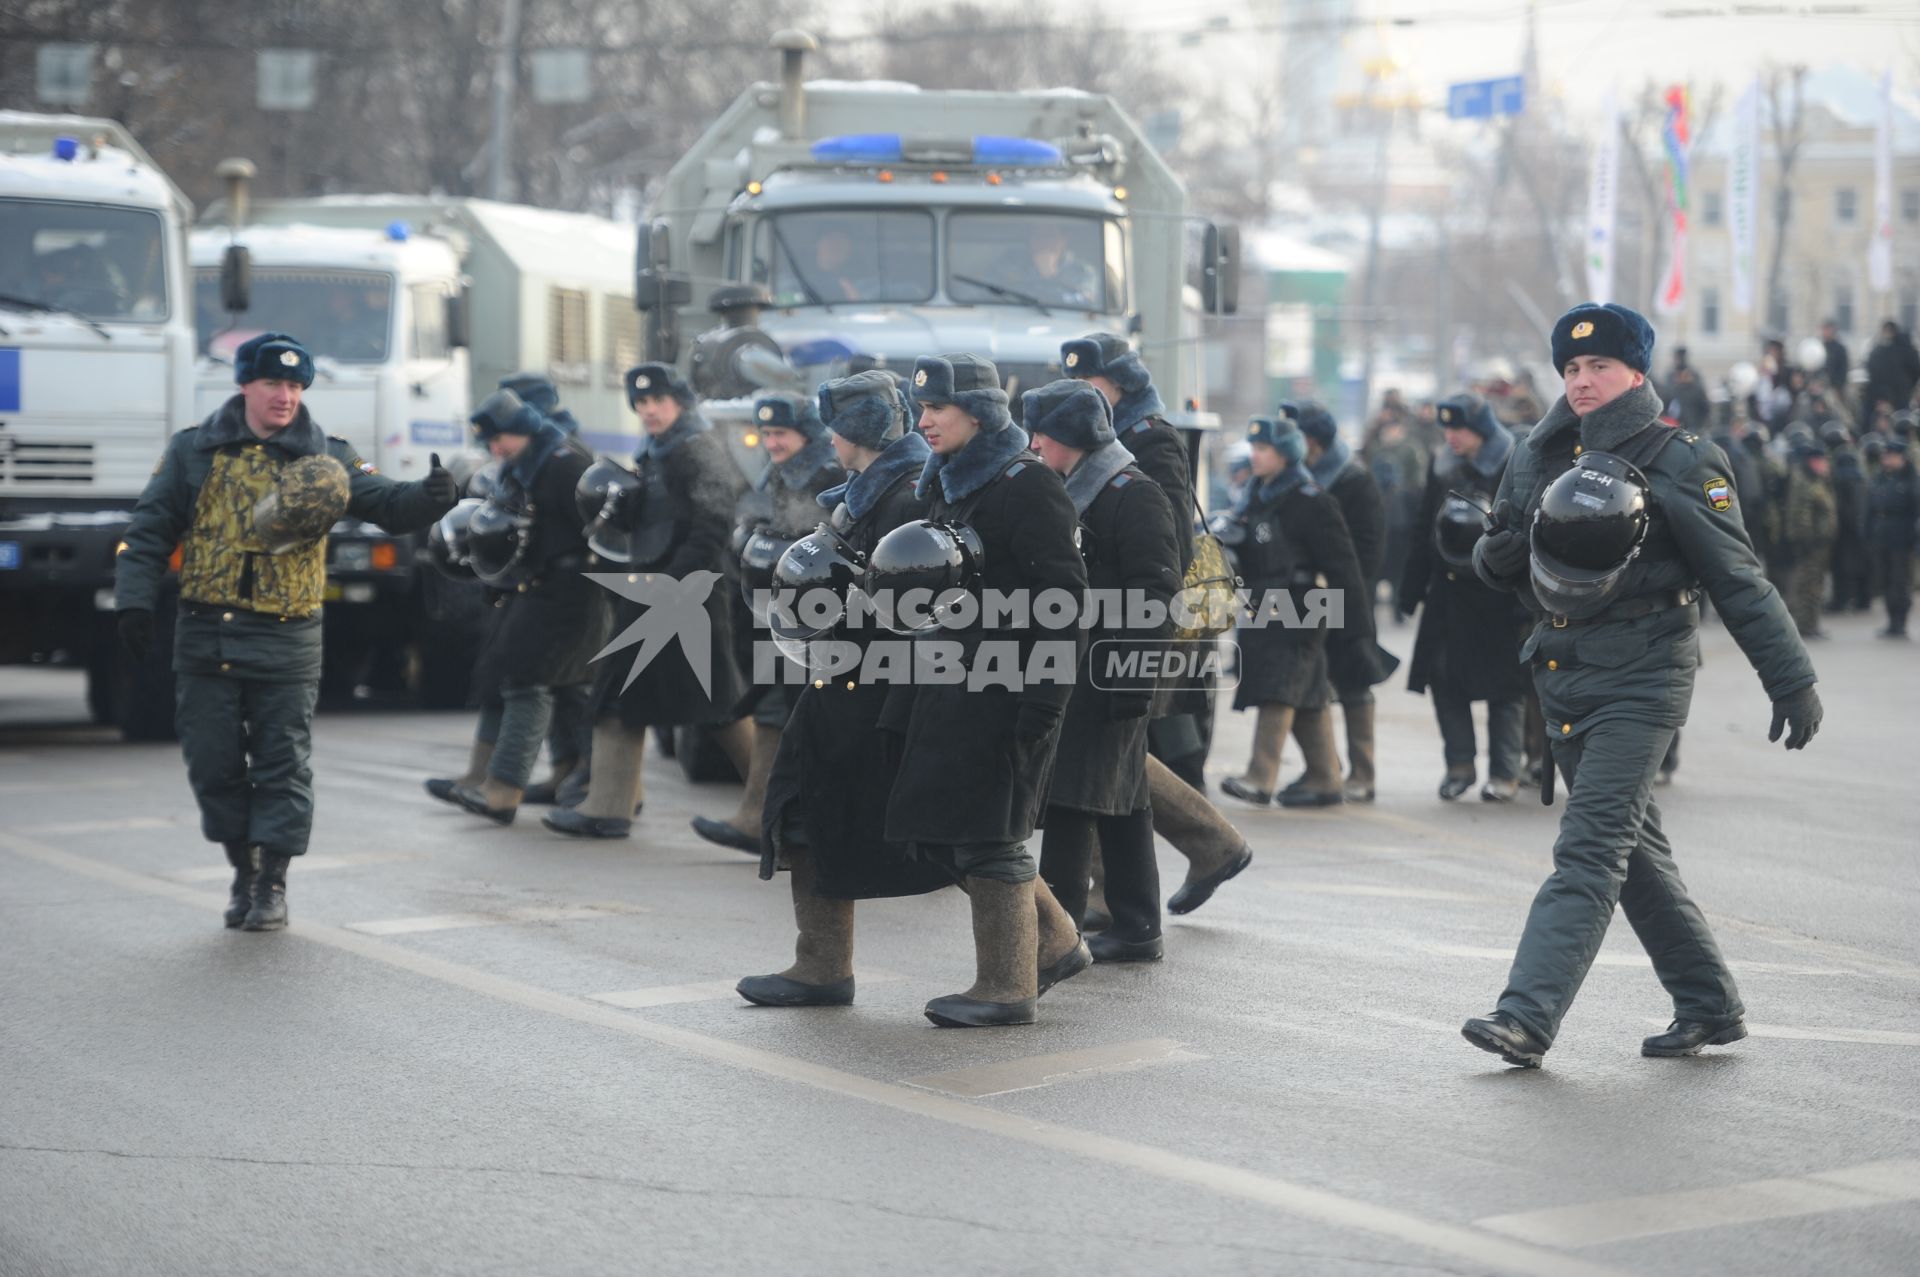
(1673, 284)
(1602, 196)
(1880, 247)
(1743, 197)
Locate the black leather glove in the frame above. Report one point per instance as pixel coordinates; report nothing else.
(136, 632)
(1799, 711)
(439, 485)
(1035, 720)
(1123, 706)
(1504, 549)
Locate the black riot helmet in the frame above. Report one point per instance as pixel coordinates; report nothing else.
(940, 558)
(1457, 526)
(758, 556)
(606, 497)
(1590, 525)
(498, 537)
(812, 582)
(486, 481)
(447, 540)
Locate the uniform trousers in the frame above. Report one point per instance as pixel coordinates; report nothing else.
(249, 747)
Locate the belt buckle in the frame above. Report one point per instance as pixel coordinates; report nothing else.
(1559, 622)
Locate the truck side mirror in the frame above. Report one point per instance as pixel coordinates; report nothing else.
(1220, 270)
(658, 294)
(459, 319)
(236, 279)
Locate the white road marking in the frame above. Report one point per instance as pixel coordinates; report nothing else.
(1807, 1033)
(103, 826)
(491, 918)
(304, 865)
(1637, 960)
(1036, 1071)
(1629, 1218)
(1303, 1201)
(662, 995)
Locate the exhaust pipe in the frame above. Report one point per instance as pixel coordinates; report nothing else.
(237, 174)
(794, 46)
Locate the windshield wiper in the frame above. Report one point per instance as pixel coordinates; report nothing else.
(35, 304)
(813, 294)
(1001, 290)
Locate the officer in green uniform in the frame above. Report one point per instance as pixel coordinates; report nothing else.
(246, 649)
(1608, 521)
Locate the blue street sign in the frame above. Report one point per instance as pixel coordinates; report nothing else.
(1484, 99)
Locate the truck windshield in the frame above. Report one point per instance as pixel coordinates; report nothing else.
(1020, 257)
(845, 255)
(340, 314)
(94, 260)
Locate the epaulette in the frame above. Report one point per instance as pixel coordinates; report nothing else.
(1015, 468)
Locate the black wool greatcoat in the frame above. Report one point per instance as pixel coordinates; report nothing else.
(701, 485)
(1292, 541)
(964, 777)
(1128, 540)
(836, 767)
(1469, 639)
(548, 630)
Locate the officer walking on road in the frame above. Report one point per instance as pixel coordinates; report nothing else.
(1608, 521)
(248, 496)
(1893, 506)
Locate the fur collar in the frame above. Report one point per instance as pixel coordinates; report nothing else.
(300, 438)
(799, 470)
(1332, 461)
(1267, 491)
(525, 468)
(974, 466)
(861, 492)
(1094, 472)
(1136, 408)
(1493, 453)
(691, 423)
(1608, 426)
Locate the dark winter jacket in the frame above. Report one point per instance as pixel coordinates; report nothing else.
(1893, 369)
(1893, 504)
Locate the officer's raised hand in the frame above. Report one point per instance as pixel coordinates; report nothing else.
(1800, 711)
(136, 632)
(1504, 551)
(439, 485)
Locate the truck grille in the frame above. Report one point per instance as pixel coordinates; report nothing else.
(24, 462)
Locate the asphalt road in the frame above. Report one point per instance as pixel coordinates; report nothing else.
(483, 1050)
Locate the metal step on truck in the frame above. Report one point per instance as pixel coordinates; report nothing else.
(414, 308)
(96, 371)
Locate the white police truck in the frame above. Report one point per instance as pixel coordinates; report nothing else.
(96, 371)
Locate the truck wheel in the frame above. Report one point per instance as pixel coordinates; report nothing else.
(700, 756)
(143, 690)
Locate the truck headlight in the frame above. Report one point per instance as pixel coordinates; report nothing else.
(352, 556)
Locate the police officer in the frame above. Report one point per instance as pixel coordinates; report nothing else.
(1287, 534)
(826, 804)
(782, 509)
(1099, 785)
(1181, 726)
(1811, 526)
(244, 496)
(529, 545)
(1608, 520)
(1468, 645)
(678, 517)
(1355, 662)
(975, 766)
(1892, 507)
(1851, 566)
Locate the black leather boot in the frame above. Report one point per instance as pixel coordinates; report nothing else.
(1501, 1034)
(1133, 891)
(269, 909)
(246, 866)
(1686, 1037)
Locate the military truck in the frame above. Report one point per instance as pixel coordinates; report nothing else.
(1001, 223)
(96, 371)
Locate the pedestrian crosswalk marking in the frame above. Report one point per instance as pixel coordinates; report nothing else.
(305, 865)
(493, 918)
(661, 995)
(1036, 1071)
(1650, 1215)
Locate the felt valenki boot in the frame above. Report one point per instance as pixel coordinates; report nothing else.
(1360, 774)
(478, 758)
(1214, 849)
(1320, 786)
(1270, 730)
(742, 829)
(615, 796)
(822, 970)
(1005, 940)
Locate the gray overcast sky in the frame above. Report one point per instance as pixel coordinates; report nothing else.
(1584, 44)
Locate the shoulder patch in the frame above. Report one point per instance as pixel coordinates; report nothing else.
(1120, 480)
(1719, 492)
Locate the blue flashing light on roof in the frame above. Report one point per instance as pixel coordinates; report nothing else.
(1016, 152)
(398, 231)
(66, 148)
(858, 148)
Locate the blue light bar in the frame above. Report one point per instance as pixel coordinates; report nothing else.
(398, 231)
(873, 148)
(1017, 152)
(66, 148)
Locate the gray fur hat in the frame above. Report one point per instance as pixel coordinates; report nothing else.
(1105, 355)
(789, 412)
(1069, 412)
(968, 382)
(867, 409)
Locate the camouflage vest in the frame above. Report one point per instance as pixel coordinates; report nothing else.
(224, 562)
